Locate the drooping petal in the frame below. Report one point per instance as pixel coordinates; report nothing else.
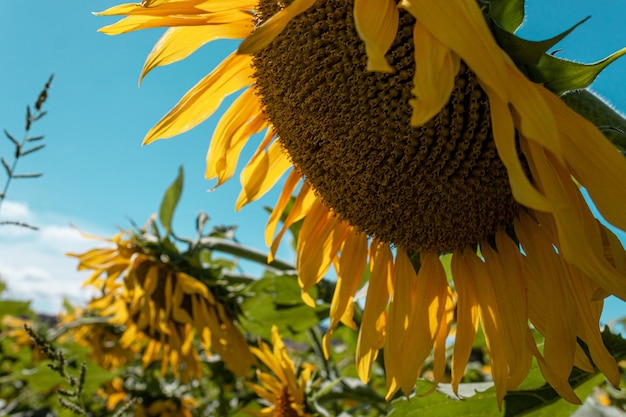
(557, 322)
(301, 207)
(376, 23)
(265, 34)
(350, 268)
(491, 319)
(436, 67)
(594, 161)
(440, 348)
(281, 204)
(579, 237)
(372, 333)
(507, 276)
(589, 311)
(199, 103)
(178, 43)
(243, 119)
(467, 317)
(262, 173)
(504, 137)
(319, 241)
(427, 314)
(398, 366)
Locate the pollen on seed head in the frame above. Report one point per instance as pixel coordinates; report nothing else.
(436, 187)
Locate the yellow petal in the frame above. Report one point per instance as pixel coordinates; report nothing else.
(436, 67)
(133, 23)
(583, 289)
(467, 317)
(461, 26)
(400, 367)
(579, 237)
(262, 173)
(179, 42)
(507, 276)
(429, 313)
(371, 335)
(301, 207)
(376, 23)
(490, 317)
(285, 196)
(440, 348)
(272, 27)
(595, 162)
(351, 267)
(504, 136)
(547, 287)
(319, 241)
(242, 120)
(234, 73)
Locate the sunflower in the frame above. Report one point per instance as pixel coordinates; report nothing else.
(412, 131)
(101, 338)
(283, 390)
(162, 307)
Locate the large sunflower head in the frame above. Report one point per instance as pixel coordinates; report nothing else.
(162, 308)
(430, 127)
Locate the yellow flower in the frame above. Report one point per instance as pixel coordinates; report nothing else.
(101, 338)
(167, 408)
(162, 307)
(412, 127)
(283, 390)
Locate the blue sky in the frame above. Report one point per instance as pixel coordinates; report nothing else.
(96, 171)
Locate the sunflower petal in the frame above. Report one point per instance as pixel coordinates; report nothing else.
(436, 67)
(261, 173)
(504, 136)
(265, 34)
(594, 161)
(376, 23)
(467, 317)
(302, 205)
(319, 241)
(461, 26)
(179, 42)
(243, 119)
(372, 333)
(199, 103)
(285, 196)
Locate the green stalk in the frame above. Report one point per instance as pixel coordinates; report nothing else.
(600, 113)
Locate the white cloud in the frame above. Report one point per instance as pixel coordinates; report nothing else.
(34, 264)
(16, 210)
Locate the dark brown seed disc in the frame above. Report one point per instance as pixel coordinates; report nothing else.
(436, 187)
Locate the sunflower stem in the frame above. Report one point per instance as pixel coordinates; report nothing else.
(600, 113)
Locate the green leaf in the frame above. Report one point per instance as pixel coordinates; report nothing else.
(15, 308)
(276, 300)
(508, 13)
(482, 404)
(170, 200)
(559, 408)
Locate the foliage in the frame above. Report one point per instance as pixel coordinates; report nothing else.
(84, 362)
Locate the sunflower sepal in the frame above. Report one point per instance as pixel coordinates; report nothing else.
(509, 14)
(525, 52)
(560, 75)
